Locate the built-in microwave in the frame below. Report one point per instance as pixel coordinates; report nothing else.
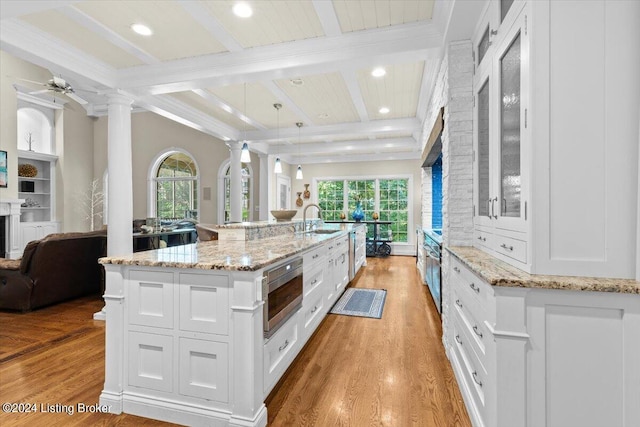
(282, 294)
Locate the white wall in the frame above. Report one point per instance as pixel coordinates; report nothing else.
(151, 134)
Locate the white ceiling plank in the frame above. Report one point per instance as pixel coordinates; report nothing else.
(16, 8)
(429, 75)
(211, 24)
(31, 44)
(328, 18)
(214, 100)
(111, 36)
(402, 43)
(356, 95)
(288, 102)
(376, 127)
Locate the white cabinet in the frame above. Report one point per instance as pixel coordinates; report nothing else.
(360, 257)
(35, 231)
(39, 190)
(501, 136)
(555, 151)
(531, 357)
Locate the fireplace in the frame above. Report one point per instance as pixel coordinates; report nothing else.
(10, 228)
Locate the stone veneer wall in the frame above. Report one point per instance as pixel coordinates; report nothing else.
(454, 91)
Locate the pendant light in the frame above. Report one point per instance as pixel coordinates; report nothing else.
(278, 166)
(299, 171)
(245, 156)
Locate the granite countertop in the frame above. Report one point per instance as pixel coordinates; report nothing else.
(499, 273)
(229, 255)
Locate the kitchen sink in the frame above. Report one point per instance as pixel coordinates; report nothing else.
(322, 231)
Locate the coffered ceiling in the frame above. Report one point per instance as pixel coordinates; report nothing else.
(209, 69)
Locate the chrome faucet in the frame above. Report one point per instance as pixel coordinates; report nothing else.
(304, 214)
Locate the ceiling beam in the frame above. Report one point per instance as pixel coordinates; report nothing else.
(345, 146)
(36, 46)
(354, 157)
(214, 100)
(375, 127)
(211, 24)
(287, 102)
(328, 18)
(360, 49)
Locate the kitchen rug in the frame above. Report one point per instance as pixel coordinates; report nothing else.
(361, 302)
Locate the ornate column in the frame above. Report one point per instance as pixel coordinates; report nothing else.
(235, 174)
(120, 195)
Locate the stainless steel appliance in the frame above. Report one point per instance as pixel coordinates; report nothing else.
(282, 294)
(433, 249)
(352, 254)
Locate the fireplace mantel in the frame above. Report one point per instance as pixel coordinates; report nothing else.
(11, 209)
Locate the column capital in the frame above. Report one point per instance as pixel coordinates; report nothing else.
(234, 145)
(118, 98)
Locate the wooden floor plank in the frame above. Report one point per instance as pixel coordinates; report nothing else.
(352, 372)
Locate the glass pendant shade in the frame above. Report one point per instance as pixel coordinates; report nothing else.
(278, 167)
(299, 172)
(245, 157)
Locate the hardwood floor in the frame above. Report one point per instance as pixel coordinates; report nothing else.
(353, 371)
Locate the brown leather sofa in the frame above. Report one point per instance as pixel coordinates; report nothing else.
(57, 268)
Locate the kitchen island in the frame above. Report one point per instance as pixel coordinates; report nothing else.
(184, 326)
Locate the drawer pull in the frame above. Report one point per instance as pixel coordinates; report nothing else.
(509, 248)
(475, 378)
(315, 307)
(330, 247)
(474, 287)
(283, 346)
(314, 281)
(482, 239)
(458, 303)
(458, 339)
(315, 256)
(339, 243)
(456, 269)
(478, 333)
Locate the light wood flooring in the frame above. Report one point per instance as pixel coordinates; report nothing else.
(352, 372)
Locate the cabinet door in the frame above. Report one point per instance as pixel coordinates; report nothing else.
(29, 232)
(483, 165)
(511, 75)
(49, 228)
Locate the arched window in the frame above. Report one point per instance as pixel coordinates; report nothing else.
(174, 186)
(224, 180)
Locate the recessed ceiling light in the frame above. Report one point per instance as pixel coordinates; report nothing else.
(378, 72)
(141, 29)
(383, 110)
(243, 10)
(296, 82)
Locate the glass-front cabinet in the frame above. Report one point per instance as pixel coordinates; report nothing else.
(501, 137)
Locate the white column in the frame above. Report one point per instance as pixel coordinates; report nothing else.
(265, 200)
(120, 196)
(235, 174)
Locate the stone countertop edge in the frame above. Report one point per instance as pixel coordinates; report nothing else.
(499, 273)
(230, 256)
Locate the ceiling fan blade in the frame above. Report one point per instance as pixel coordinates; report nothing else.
(76, 98)
(31, 81)
(39, 91)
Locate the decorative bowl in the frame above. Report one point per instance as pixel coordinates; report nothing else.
(27, 170)
(284, 214)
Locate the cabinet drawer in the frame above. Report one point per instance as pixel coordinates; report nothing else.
(472, 373)
(482, 238)
(312, 280)
(341, 244)
(314, 256)
(312, 313)
(472, 319)
(471, 285)
(513, 248)
(279, 351)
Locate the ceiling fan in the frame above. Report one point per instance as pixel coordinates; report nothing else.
(60, 86)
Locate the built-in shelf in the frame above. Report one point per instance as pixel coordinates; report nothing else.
(43, 186)
(34, 208)
(26, 178)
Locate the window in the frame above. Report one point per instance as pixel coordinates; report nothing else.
(246, 173)
(389, 197)
(176, 187)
